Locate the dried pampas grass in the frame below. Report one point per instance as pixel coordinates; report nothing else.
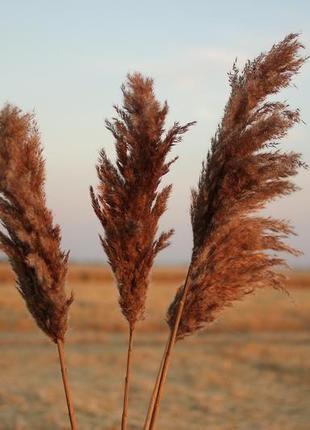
(244, 171)
(29, 237)
(128, 203)
(235, 249)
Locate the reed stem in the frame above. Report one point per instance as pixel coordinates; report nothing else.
(127, 381)
(64, 374)
(162, 374)
(154, 394)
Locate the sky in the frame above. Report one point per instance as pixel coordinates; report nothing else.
(66, 60)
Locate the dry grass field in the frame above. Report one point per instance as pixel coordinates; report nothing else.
(249, 371)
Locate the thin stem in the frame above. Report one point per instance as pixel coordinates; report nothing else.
(168, 353)
(127, 381)
(154, 394)
(64, 374)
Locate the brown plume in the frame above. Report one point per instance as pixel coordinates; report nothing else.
(30, 239)
(235, 249)
(129, 204)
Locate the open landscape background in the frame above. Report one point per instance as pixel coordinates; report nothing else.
(249, 370)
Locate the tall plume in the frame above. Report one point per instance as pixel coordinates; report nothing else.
(129, 204)
(235, 249)
(31, 240)
(29, 236)
(244, 171)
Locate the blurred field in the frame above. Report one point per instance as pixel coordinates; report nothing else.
(249, 371)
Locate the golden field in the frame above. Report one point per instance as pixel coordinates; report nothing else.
(249, 371)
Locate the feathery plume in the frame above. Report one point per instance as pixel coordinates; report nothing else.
(241, 175)
(30, 239)
(235, 250)
(128, 203)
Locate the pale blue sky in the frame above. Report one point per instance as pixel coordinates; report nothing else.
(67, 59)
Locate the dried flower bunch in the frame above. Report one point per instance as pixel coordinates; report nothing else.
(30, 239)
(235, 249)
(128, 203)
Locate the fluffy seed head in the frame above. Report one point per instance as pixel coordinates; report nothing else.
(128, 203)
(29, 237)
(235, 250)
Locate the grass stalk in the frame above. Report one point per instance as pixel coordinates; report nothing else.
(154, 394)
(162, 374)
(30, 238)
(129, 203)
(127, 380)
(230, 256)
(64, 374)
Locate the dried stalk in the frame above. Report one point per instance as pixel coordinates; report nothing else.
(128, 203)
(153, 409)
(64, 374)
(155, 390)
(230, 256)
(127, 380)
(30, 239)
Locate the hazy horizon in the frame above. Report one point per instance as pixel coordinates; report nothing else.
(67, 61)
